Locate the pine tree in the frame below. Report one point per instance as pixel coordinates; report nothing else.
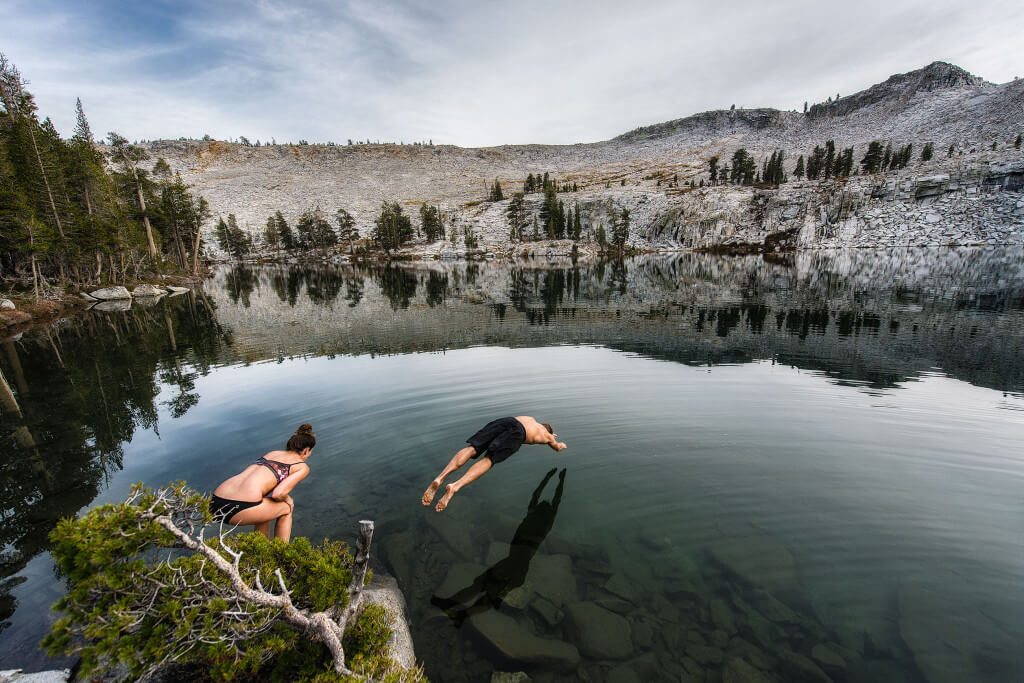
(577, 226)
(713, 168)
(927, 152)
(270, 236)
(872, 161)
(1016, 142)
(516, 215)
(799, 170)
(347, 229)
(620, 229)
(495, 194)
(392, 227)
(284, 231)
(887, 156)
(129, 158)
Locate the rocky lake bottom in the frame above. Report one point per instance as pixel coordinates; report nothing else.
(805, 468)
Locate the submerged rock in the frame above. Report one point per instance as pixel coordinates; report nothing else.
(599, 633)
(953, 638)
(515, 642)
(799, 669)
(758, 560)
(552, 578)
(509, 677)
(739, 671)
(111, 293)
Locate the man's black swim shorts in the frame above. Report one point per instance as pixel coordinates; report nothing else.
(499, 438)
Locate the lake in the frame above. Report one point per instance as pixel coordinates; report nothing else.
(806, 467)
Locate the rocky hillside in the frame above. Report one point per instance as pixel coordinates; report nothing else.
(971, 197)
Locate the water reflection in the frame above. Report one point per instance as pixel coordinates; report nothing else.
(510, 572)
(78, 393)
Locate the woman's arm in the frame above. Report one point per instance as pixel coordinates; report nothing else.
(282, 490)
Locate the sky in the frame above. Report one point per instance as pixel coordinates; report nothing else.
(474, 73)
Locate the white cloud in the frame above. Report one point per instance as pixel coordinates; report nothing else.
(479, 73)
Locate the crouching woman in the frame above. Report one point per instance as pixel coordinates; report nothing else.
(259, 494)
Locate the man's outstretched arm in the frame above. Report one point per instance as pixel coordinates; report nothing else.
(552, 440)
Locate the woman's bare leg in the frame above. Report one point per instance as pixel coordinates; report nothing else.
(263, 514)
(472, 474)
(283, 529)
(460, 459)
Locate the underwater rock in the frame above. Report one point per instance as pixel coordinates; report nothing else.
(509, 677)
(599, 633)
(621, 586)
(739, 671)
(826, 656)
(547, 611)
(799, 669)
(515, 642)
(758, 560)
(722, 617)
(460, 575)
(551, 577)
(952, 639)
(456, 532)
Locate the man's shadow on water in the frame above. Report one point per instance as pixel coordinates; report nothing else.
(509, 573)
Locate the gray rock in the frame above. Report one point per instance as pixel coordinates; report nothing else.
(515, 642)
(384, 591)
(704, 654)
(456, 532)
(496, 552)
(547, 611)
(111, 293)
(599, 633)
(623, 673)
(148, 290)
(177, 290)
(7, 305)
(932, 218)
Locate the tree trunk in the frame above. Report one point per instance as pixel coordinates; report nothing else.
(145, 218)
(46, 181)
(195, 251)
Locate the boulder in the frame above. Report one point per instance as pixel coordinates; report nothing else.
(599, 633)
(722, 617)
(148, 290)
(384, 591)
(514, 641)
(460, 575)
(456, 532)
(111, 293)
(7, 305)
(827, 657)
(175, 291)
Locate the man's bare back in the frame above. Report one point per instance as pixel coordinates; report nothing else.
(499, 439)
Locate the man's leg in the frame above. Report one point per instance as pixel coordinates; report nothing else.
(460, 459)
(471, 475)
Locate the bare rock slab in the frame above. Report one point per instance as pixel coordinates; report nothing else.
(384, 591)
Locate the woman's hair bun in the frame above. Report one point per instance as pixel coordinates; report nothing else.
(304, 429)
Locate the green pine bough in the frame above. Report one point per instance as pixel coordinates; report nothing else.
(147, 589)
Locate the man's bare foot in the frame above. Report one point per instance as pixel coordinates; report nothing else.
(428, 495)
(449, 491)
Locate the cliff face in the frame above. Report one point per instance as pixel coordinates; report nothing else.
(649, 169)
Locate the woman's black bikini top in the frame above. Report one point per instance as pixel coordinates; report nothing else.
(281, 470)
